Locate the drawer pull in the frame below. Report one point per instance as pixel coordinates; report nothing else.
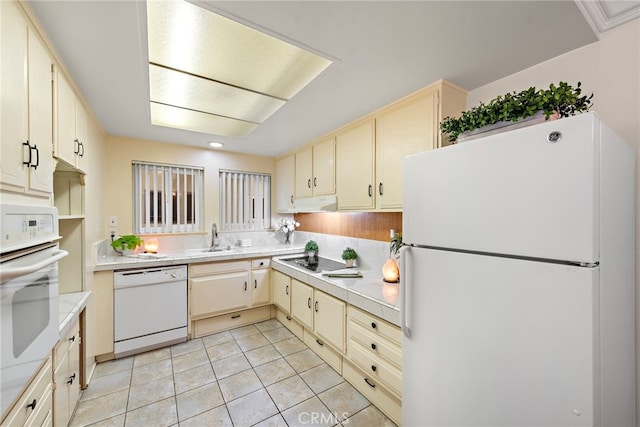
(235, 316)
(71, 378)
(374, 368)
(72, 339)
(309, 302)
(255, 284)
(373, 346)
(320, 342)
(373, 325)
(32, 405)
(369, 383)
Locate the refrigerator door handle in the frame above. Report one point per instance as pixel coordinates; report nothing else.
(405, 314)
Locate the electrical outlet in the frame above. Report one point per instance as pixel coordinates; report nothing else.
(113, 221)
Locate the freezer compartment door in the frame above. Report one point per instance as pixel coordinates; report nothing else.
(513, 193)
(497, 342)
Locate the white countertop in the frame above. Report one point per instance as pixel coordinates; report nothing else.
(369, 292)
(70, 306)
(192, 256)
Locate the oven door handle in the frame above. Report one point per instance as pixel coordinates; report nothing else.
(11, 273)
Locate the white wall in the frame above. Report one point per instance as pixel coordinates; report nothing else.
(610, 69)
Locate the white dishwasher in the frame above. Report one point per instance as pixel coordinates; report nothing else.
(150, 309)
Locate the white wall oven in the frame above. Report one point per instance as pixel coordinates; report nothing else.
(29, 318)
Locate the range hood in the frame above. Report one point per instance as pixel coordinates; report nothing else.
(315, 204)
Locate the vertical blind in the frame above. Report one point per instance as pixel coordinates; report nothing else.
(245, 200)
(168, 199)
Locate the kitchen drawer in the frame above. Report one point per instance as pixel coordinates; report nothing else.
(65, 343)
(39, 390)
(377, 394)
(43, 410)
(328, 354)
(376, 325)
(378, 369)
(289, 323)
(217, 268)
(374, 343)
(260, 263)
(224, 322)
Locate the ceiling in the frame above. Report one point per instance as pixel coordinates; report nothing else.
(381, 51)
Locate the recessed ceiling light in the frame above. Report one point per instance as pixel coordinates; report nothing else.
(216, 144)
(208, 73)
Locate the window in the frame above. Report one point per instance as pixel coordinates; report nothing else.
(167, 198)
(245, 200)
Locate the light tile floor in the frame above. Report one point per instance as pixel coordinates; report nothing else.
(260, 375)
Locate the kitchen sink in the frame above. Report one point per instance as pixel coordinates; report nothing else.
(194, 252)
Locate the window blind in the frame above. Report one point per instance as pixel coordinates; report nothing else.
(168, 198)
(245, 200)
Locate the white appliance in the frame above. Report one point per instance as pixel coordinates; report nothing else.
(150, 308)
(518, 281)
(29, 315)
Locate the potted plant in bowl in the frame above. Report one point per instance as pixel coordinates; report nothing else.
(558, 101)
(349, 256)
(311, 248)
(126, 244)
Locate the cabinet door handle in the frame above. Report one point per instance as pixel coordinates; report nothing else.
(26, 144)
(309, 183)
(255, 284)
(245, 285)
(370, 190)
(369, 383)
(81, 153)
(380, 188)
(288, 317)
(373, 346)
(320, 343)
(374, 368)
(315, 182)
(34, 147)
(286, 291)
(235, 316)
(72, 339)
(71, 378)
(309, 302)
(76, 147)
(316, 306)
(373, 325)
(292, 199)
(32, 405)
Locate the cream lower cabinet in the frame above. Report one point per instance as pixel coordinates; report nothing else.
(66, 376)
(33, 408)
(228, 294)
(320, 313)
(374, 360)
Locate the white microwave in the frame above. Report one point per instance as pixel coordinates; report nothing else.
(29, 314)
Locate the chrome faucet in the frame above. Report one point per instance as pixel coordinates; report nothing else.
(214, 236)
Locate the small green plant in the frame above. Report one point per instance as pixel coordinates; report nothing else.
(396, 244)
(311, 246)
(563, 100)
(128, 241)
(349, 253)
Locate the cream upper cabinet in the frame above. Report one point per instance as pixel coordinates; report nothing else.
(355, 153)
(285, 183)
(315, 169)
(407, 128)
(71, 129)
(370, 152)
(26, 115)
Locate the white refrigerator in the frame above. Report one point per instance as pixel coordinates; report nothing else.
(518, 280)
